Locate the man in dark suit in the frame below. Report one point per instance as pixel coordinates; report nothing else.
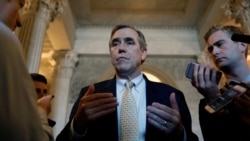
(162, 112)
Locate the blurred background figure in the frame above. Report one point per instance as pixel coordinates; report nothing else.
(44, 99)
(40, 82)
(19, 118)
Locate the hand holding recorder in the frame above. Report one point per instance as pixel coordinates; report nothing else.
(190, 71)
(205, 79)
(227, 97)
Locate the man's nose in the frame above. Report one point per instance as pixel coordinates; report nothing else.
(122, 48)
(122, 45)
(215, 50)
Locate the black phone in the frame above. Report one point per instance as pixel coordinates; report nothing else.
(190, 70)
(220, 102)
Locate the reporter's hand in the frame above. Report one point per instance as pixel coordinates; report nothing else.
(202, 82)
(243, 106)
(93, 106)
(45, 103)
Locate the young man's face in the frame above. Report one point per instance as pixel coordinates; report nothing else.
(41, 89)
(125, 51)
(9, 12)
(223, 50)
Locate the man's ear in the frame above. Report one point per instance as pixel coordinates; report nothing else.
(144, 54)
(243, 47)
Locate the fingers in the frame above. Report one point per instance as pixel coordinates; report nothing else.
(104, 110)
(163, 117)
(164, 126)
(90, 90)
(94, 105)
(96, 100)
(90, 96)
(49, 97)
(195, 81)
(204, 75)
(163, 111)
(201, 74)
(45, 100)
(45, 103)
(173, 102)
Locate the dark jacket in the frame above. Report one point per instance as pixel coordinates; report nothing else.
(106, 128)
(224, 125)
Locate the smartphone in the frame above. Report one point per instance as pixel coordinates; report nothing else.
(190, 70)
(220, 102)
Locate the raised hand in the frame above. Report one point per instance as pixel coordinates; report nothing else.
(45, 103)
(204, 82)
(165, 118)
(92, 106)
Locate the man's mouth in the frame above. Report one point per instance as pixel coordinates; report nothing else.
(121, 58)
(218, 60)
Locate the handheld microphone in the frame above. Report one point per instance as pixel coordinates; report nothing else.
(241, 38)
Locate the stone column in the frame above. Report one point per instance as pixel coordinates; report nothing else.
(61, 91)
(240, 11)
(36, 16)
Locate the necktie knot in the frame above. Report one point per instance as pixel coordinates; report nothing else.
(129, 84)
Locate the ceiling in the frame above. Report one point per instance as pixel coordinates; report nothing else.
(139, 12)
(200, 14)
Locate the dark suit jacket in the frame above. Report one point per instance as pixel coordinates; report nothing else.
(106, 128)
(225, 125)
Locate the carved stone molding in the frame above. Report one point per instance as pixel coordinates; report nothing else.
(240, 11)
(70, 60)
(91, 26)
(67, 64)
(51, 8)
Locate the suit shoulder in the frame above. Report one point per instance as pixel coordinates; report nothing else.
(160, 85)
(105, 83)
(98, 84)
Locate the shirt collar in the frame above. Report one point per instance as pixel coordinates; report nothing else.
(136, 80)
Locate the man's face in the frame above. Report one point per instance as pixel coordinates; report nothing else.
(41, 89)
(9, 12)
(126, 54)
(223, 50)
